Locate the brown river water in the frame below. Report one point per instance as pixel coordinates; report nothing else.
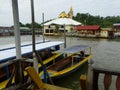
(106, 53)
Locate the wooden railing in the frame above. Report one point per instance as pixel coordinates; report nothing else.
(91, 82)
(107, 78)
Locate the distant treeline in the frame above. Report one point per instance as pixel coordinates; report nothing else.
(87, 19)
(36, 25)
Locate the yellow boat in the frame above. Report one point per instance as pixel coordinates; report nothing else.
(77, 56)
(6, 67)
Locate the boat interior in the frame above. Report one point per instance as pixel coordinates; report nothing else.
(66, 62)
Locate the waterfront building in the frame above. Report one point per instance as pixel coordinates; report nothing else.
(88, 31)
(104, 32)
(70, 13)
(107, 33)
(116, 28)
(56, 26)
(6, 31)
(25, 31)
(95, 31)
(65, 15)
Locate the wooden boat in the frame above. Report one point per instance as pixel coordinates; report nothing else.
(6, 68)
(77, 56)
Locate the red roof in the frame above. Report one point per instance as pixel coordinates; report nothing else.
(92, 27)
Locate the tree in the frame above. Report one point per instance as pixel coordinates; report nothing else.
(56, 28)
(87, 19)
(36, 25)
(21, 24)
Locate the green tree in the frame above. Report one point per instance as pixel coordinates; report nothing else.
(56, 28)
(87, 19)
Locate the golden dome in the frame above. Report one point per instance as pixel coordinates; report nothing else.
(63, 15)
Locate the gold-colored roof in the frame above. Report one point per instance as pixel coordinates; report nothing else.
(63, 15)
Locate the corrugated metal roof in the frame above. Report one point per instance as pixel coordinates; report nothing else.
(116, 24)
(94, 27)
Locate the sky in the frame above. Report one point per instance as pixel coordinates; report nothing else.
(52, 8)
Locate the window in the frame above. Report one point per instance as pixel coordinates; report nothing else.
(47, 31)
(51, 31)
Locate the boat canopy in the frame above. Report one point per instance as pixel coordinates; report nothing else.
(9, 53)
(73, 49)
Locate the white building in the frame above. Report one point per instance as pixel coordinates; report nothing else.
(57, 25)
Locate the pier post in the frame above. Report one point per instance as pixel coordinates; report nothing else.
(35, 62)
(16, 28)
(43, 27)
(90, 74)
(17, 36)
(83, 82)
(95, 81)
(64, 36)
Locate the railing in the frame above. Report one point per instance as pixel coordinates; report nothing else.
(107, 78)
(94, 75)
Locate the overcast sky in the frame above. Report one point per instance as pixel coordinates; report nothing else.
(52, 8)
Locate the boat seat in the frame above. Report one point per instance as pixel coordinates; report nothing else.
(41, 86)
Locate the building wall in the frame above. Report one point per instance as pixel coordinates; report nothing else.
(104, 33)
(6, 31)
(51, 30)
(69, 28)
(89, 33)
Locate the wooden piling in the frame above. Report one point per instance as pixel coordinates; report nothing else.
(83, 82)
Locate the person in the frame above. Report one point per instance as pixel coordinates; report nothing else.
(82, 53)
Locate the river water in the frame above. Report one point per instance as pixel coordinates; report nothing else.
(106, 53)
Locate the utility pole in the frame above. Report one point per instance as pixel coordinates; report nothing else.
(35, 62)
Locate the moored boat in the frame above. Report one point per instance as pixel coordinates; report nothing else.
(76, 57)
(8, 56)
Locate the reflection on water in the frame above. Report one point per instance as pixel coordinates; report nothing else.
(105, 52)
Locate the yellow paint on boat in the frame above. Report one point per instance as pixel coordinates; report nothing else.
(75, 66)
(4, 83)
(62, 72)
(50, 59)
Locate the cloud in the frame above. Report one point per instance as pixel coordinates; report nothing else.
(5, 13)
(53, 8)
